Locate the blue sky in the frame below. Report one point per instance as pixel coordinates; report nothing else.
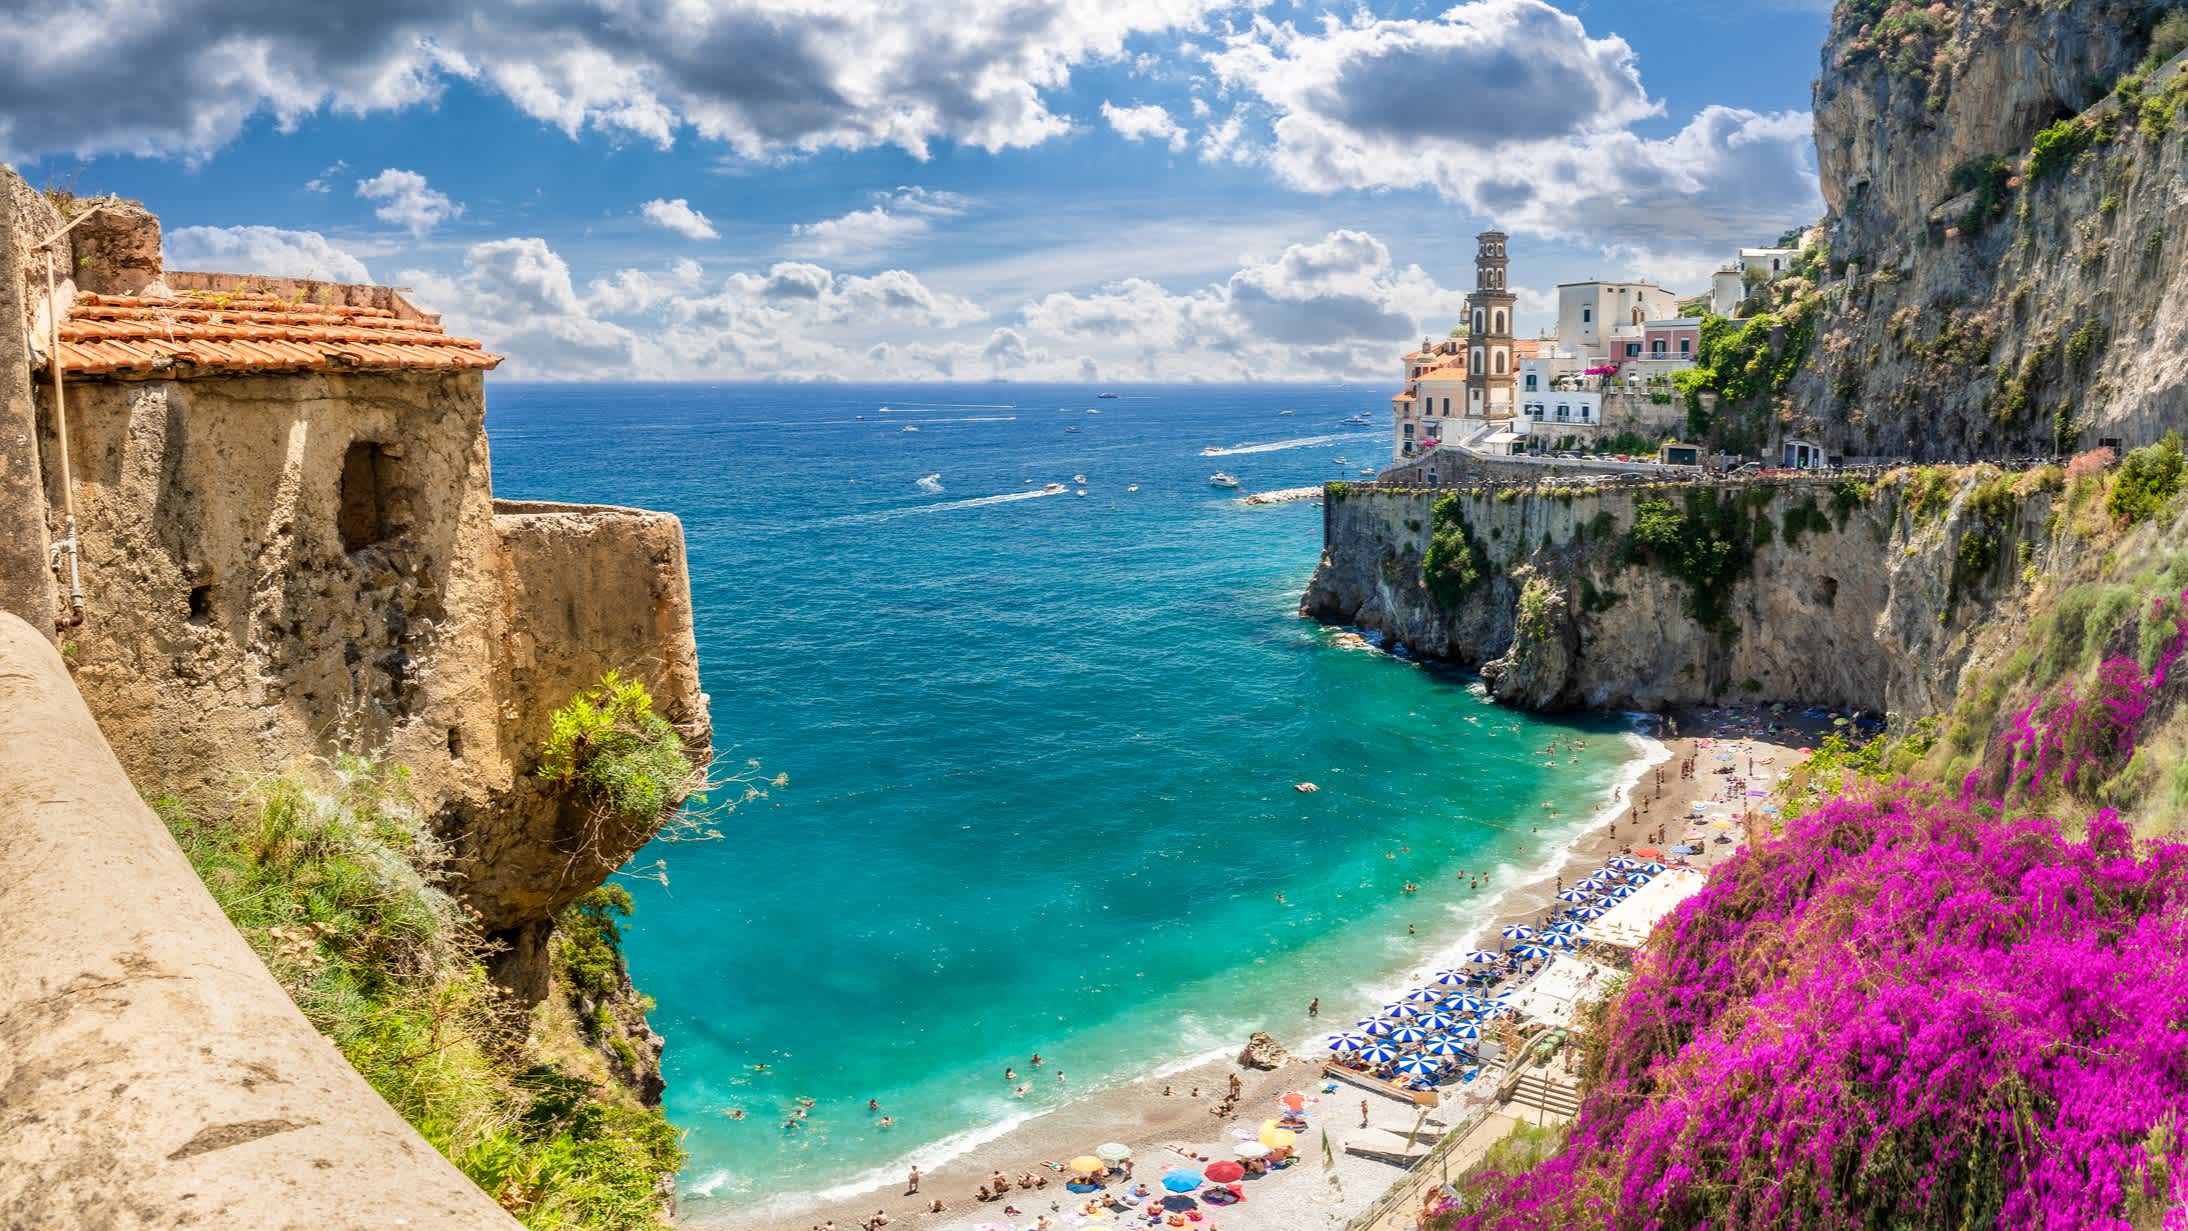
(858, 189)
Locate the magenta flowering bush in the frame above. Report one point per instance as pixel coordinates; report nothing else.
(1906, 1012)
(2075, 737)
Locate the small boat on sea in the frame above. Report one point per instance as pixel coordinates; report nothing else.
(1135, 487)
(1220, 479)
(1280, 414)
(1110, 396)
(1053, 488)
(1078, 478)
(1081, 491)
(907, 428)
(1342, 460)
(1071, 431)
(1358, 420)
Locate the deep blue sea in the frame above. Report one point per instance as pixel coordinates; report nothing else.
(1041, 751)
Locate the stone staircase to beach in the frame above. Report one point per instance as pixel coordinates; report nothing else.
(1535, 1097)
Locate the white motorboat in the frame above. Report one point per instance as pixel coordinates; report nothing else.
(1220, 479)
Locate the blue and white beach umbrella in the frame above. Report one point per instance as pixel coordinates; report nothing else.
(1568, 927)
(1574, 895)
(1621, 864)
(1518, 931)
(1378, 1053)
(1400, 1009)
(1408, 1034)
(1377, 1026)
(1347, 1042)
(1592, 882)
(1451, 978)
(1481, 956)
(1439, 1021)
(1652, 868)
(1558, 940)
(1445, 1045)
(1466, 1030)
(1420, 1066)
(1638, 878)
(1461, 1004)
(1606, 901)
(1530, 951)
(1586, 912)
(1624, 891)
(1422, 995)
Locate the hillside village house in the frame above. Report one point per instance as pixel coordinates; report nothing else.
(1484, 390)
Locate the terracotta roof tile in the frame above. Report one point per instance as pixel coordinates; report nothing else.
(123, 335)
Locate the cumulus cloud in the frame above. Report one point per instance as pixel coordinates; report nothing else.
(678, 216)
(323, 182)
(261, 250)
(1530, 122)
(1338, 307)
(1145, 123)
(764, 77)
(896, 217)
(407, 201)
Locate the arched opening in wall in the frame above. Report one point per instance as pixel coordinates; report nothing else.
(1498, 327)
(370, 476)
(1500, 362)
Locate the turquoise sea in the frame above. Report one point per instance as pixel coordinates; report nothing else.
(1041, 752)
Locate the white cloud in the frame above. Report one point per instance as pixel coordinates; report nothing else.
(1530, 122)
(680, 217)
(406, 201)
(261, 250)
(766, 78)
(1145, 123)
(898, 216)
(324, 182)
(1338, 307)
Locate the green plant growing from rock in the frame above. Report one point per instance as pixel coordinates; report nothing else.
(1455, 562)
(609, 748)
(2148, 478)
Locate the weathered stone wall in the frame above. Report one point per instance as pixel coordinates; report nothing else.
(152, 1073)
(26, 582)
(257, 596)
(1860, 614)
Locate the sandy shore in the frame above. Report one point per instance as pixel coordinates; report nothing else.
(1329, 1185)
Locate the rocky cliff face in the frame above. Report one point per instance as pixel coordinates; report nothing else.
(1976, 302)
(1864, 595)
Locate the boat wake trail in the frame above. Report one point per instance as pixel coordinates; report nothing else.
(1273, 446)
(946, 505)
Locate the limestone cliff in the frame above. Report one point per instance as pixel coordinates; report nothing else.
(1993, 286)
(1851, 593)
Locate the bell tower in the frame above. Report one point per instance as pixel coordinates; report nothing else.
(1492, 364)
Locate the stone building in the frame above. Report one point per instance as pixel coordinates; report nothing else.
(270, 506)
(1492, 364)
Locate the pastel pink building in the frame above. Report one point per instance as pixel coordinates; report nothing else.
(1677, 338)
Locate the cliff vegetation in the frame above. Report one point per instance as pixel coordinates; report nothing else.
(338, 883)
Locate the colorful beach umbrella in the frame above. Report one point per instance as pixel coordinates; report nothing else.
(1593, 882)
(1277, 1138)
(1290, 1100)
(1463, 1004)
(1566, 927)
(1530, 951)
(1251, 1149)
(1224, 1172)
(1557, 940)
(1347, 1042)
(1440, 1021)
(1574, 895)
(1399, 1009)
(1478, 957)
(1422, 995)
(1114, 1151)
(1652, 868)
(1624, 891)
(1451, 978)
(1378, 1053)
(1181, 1179)
(1621, 864)
(1087, 1164)
(1445, 1045)
(1408, 1034)
(1378, 1026)
(1517, 931)
(1586, 912)
(1466, 1030)
(1419, 1066)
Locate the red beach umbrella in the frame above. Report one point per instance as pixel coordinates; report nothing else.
(1225, 1172)
(1292, 1101)
(1648, 852)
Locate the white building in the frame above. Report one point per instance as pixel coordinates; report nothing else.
(1547, 410)
(1772, 263)
(1726, 290)
(1590, 313)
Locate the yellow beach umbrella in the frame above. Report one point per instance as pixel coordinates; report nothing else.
(1277, 1138)
(1087, 1164)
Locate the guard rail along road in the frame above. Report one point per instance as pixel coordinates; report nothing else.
(152, 1073)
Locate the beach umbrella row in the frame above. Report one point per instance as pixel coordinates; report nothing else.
(1518, 931)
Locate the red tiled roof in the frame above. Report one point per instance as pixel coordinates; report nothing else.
(181, 335)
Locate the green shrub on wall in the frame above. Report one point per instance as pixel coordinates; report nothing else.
(608, 747)
(1455, 563)
(2148, 478)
